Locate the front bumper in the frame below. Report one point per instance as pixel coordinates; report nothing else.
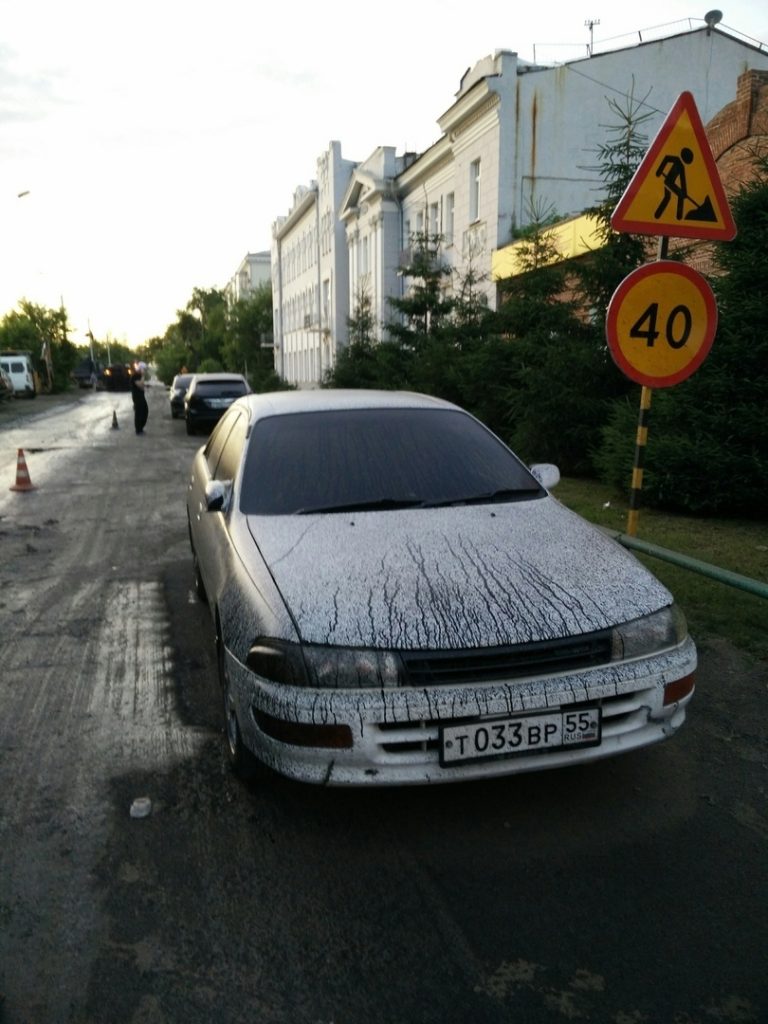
(395, 732)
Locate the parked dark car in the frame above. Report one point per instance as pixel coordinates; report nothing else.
(208, 397)
(117, 377)
(178, 390)
(86, 374)
(397, 599)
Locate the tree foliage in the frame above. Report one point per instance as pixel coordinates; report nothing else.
(558, 373)
(208, 336)
(426, 304)
(707, 449)
(38, 329)
(601, 272)
(248, 337)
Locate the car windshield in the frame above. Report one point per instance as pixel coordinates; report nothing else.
(220, 387)
(377, 459)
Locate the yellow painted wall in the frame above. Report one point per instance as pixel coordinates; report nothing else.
(571, 238)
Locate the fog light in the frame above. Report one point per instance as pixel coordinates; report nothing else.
(679, 690)
(303, 734)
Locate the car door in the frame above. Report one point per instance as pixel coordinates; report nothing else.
(219, 461)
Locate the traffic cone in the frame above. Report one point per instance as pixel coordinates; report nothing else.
(114, 420)
(23, 483)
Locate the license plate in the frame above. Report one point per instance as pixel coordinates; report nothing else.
(219, 403)
(485, 739)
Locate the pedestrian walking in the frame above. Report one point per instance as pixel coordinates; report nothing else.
(140, 407)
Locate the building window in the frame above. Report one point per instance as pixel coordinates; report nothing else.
(420, 223)
(434, 219)
(474, 191)
(327, 303)
(449, 204)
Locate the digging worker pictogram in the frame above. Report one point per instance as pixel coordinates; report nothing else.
(672, 170)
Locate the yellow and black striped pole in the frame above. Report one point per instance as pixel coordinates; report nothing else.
(642, 434)
(637, 469)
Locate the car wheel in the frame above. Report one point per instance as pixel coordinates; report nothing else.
(190, 428)
(241, 760)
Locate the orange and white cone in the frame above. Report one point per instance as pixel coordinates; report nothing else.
(23, 483)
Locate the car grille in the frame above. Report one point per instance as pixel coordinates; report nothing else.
(443, 668)
(622, 714)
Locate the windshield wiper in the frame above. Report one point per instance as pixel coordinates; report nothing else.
(489, 497)
(375, 505)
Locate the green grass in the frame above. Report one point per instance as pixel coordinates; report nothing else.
(713, 609)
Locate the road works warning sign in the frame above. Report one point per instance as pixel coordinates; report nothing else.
(676, 190)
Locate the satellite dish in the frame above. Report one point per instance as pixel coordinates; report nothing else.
(713, 18)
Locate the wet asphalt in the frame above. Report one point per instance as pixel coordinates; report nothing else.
(624, 892)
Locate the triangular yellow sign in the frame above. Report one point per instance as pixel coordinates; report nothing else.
(676, 190)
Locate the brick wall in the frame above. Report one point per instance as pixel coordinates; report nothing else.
(735, 134)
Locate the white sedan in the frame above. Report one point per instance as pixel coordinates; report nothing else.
(397, 599)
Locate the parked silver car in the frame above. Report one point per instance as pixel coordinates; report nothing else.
(398, 599)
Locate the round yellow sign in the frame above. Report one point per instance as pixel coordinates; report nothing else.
(661, 323)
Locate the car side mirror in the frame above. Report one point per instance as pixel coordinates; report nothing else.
(547, 474)
(217, 495)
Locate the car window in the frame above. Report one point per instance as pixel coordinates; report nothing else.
(327, 461)
(221, 387)
(229, 460)
(217, 440)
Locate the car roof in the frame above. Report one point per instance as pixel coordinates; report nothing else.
(281, 403)
(218, 376)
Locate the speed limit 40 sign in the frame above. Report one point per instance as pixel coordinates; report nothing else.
(661, 323)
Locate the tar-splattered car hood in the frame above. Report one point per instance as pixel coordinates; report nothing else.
(464, 577)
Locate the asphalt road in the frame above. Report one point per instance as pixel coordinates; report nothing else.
(625, 892)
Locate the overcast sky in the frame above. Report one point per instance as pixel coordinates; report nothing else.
(159, 140)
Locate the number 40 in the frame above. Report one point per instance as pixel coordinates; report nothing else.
(677, 329)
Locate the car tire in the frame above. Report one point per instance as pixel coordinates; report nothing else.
(199, 585)
(190, 428)
(242, 762)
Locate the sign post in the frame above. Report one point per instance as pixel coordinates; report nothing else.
(662, 318)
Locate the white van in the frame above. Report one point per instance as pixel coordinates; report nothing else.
(18, 366)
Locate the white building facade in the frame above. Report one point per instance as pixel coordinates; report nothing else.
(254, 270)
(518, 137)
(371, 213)
(310, 283)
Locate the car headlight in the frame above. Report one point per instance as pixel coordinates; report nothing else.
(649, 634)
(325, 668)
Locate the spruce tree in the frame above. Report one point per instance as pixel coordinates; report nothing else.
(707, 448)
(552, 400)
